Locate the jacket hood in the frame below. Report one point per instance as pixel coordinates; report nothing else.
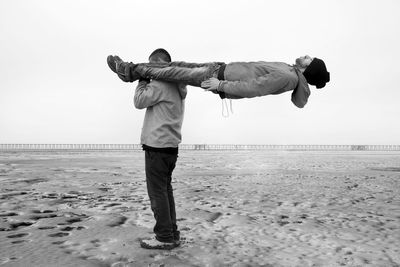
(182, 90)
(301, 92)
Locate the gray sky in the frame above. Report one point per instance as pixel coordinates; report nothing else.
(55, 86)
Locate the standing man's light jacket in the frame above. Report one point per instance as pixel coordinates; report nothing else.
(251, 79)
(165, 104)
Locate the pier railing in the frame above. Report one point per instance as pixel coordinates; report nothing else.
(122, 147)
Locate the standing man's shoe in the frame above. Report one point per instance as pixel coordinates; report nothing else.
(153, 243)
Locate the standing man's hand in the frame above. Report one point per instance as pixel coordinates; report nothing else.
(210, 84)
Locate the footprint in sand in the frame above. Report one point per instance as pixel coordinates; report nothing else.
(104, 189)
(118, 221)
(18, 235)
(8, 214)
(112, 205)
(11, 226)
(59, 234)
(21, 241)
(74, 220)
(12, 194)
(50, 195)
(17, 225)
(42, 216)
(71, 221)
(67, 228)
(185, 228)
(42, 211)
(304, 216)
(96, 243)
(58, 242)
(213, 216)
(46, 227)
(32, 181)
(70, 228)
(5, 260)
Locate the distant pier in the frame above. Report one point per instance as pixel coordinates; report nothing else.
(127, 147)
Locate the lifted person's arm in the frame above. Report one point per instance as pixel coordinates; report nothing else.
(264, 85)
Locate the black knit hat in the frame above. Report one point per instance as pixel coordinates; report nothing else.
(316, 73)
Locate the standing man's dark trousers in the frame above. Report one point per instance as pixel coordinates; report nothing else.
(159, 168)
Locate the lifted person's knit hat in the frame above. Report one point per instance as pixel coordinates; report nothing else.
(316, 73)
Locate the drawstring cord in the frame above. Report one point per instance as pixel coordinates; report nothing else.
(225, 108)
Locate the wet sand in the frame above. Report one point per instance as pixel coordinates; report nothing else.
(234, 208)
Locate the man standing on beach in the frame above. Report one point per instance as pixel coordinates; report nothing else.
(161, 135)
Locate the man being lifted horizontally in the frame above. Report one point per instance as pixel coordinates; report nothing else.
(236, 79)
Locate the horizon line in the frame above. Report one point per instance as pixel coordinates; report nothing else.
(222, 144)
(33, 147)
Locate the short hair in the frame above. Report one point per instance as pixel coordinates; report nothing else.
(161, 53)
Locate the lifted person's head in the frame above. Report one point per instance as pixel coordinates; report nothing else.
(159, 55)
(314, 70)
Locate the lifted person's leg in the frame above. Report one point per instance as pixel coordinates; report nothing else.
(179, 72)
(190, 76)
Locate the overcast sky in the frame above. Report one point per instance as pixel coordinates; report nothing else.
(55, 85)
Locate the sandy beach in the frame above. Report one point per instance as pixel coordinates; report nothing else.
(234, 208)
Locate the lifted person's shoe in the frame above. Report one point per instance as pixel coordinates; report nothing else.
(124, 70)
